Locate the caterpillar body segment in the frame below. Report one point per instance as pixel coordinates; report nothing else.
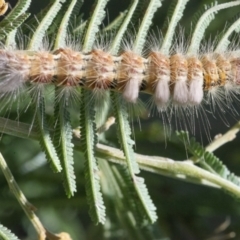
(195, 81)
(159, 78)
(172, 80)
(179, 73)
(70, 67)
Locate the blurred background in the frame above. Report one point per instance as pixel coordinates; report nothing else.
(186, 211)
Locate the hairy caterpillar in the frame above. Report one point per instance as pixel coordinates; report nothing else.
(179, 81)
(172, 80)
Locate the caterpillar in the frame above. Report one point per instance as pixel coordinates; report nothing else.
(157, 74)
(179, 79)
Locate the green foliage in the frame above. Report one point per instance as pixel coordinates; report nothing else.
(6, 234)
(125, 201)
(37, 38)
(20, 9)
(123, 28)
(224, 40)
(63, 139)
(120, 112)
(62, 29)
(204, 22)
(136, 184)
(45, 138)
(93, 23)
(88, 141)
(10, 26)
(206, 159)
(145, 24)
(175, 13)
(115, 24)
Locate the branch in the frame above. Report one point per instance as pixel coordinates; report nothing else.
(28, 208)
(156, 164)
(223, 139)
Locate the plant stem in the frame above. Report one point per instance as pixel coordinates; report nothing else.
(157, 164)
(26, 206)
(160, 164)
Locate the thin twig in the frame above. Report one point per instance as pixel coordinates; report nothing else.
(26, 206)
(223, 139)
(156, 164)
(169, 165)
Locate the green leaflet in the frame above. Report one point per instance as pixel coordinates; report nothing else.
(6, 234)
(204, 22)
(124, 132)
(145, 204)
(224, 40)
(135, 184)
(116, 23)
(32, 23)
(116, 182)
(121, 31)
(206, 159)
(131, 196)
(20, 9)
(176, 16)
(137, 14)
(79, 29)
(63, 138)
(62, 29)
(87, 124)
(11, 26)
(88, 142)
(93, 25)
(145, 24)
(124, 182)
(37, 38)
(18, 15)
(45, 139)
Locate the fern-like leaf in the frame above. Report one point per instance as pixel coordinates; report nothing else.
(145, 204)
(116, 181)
(6, 234)
(37, 38)
(224, 41)
(176, 14)
(204, 22)
(124, 182)
(63, 139)
(116, 23)
(88, 142)
(44, 134)
(145, 24)
(93, 24)
(123, 28)
(11, 26)
(124, 131)
(20, 9)
(62, 29)
(206, 159)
